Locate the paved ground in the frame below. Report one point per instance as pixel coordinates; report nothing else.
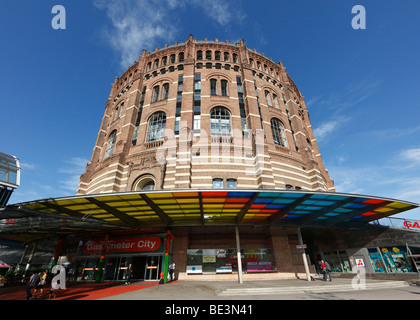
(338, 289)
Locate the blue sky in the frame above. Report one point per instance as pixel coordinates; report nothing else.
(360, 86)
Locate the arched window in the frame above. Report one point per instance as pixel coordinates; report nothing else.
(145, 185)
(224, 88)
(111, 144)
(213, 86)
(217, 55)
(208, 55)
(226, 56)
(217, 183)
(220, 123)
(199, 55)
(164, 61)
(231, 183)
(181, 57)
(156, 63)
(156, 127)
(165, 91)
(155, 96)
(268, 98)
(172, 58)
(276, 102)
(279, 135)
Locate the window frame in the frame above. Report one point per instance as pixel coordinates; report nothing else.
(278, 132)
(156, 130)
(219, 116)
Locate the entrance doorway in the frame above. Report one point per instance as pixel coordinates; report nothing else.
(152, 268)
(139, 267)
(111, 268)
(144, 268)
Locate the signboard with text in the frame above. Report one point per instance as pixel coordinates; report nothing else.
(124, 245)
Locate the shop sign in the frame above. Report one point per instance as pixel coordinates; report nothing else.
(221, 253)
(124, 245)
(411, 224)
(224, 269)
(259, 266)
(360, 262)
(194, 269)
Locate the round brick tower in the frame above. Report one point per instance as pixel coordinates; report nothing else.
(205, 115)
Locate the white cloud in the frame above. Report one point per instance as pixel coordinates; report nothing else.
(327, 128)
(411, 155)
(72, 171)
(28, 166)
(142, 24)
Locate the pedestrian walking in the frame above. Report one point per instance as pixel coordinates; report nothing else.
(129, 273)
(172, 270)
(327, 271)
(52, 289)
(33, 281)
(41, 283)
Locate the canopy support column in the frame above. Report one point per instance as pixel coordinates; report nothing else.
(100, 271)
(305, 261)
(238, 250)
(31, 256)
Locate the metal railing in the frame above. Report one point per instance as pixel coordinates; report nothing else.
(401, 223)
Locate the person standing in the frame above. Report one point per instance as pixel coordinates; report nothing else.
(323, 270)
(172, 270)
(129, 273)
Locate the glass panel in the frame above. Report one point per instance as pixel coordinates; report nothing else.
(152, 268)
(226, 261)
(396, 259)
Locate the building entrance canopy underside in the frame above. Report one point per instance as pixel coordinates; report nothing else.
(102, 212)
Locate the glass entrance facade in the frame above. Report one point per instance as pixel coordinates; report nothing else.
(115, 267)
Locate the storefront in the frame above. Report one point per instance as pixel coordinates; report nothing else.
(144, 253)
(378, 260)
(202, 261)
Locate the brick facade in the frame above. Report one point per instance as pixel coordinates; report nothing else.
(228, 113)
(187, 160)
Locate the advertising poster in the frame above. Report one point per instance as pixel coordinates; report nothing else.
(377, 264)
(395, 260)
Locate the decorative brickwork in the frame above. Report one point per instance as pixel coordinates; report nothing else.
(196, 111)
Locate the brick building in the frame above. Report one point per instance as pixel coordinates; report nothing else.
(205, 114)
(210, 143)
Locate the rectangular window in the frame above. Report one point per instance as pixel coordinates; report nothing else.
(197, 124)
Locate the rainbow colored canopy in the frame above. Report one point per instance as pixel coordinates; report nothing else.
(221, 207)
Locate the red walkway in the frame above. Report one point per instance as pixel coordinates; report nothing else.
(78, 291)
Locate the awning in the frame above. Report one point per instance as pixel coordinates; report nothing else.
(205, 208)
(4, 265)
